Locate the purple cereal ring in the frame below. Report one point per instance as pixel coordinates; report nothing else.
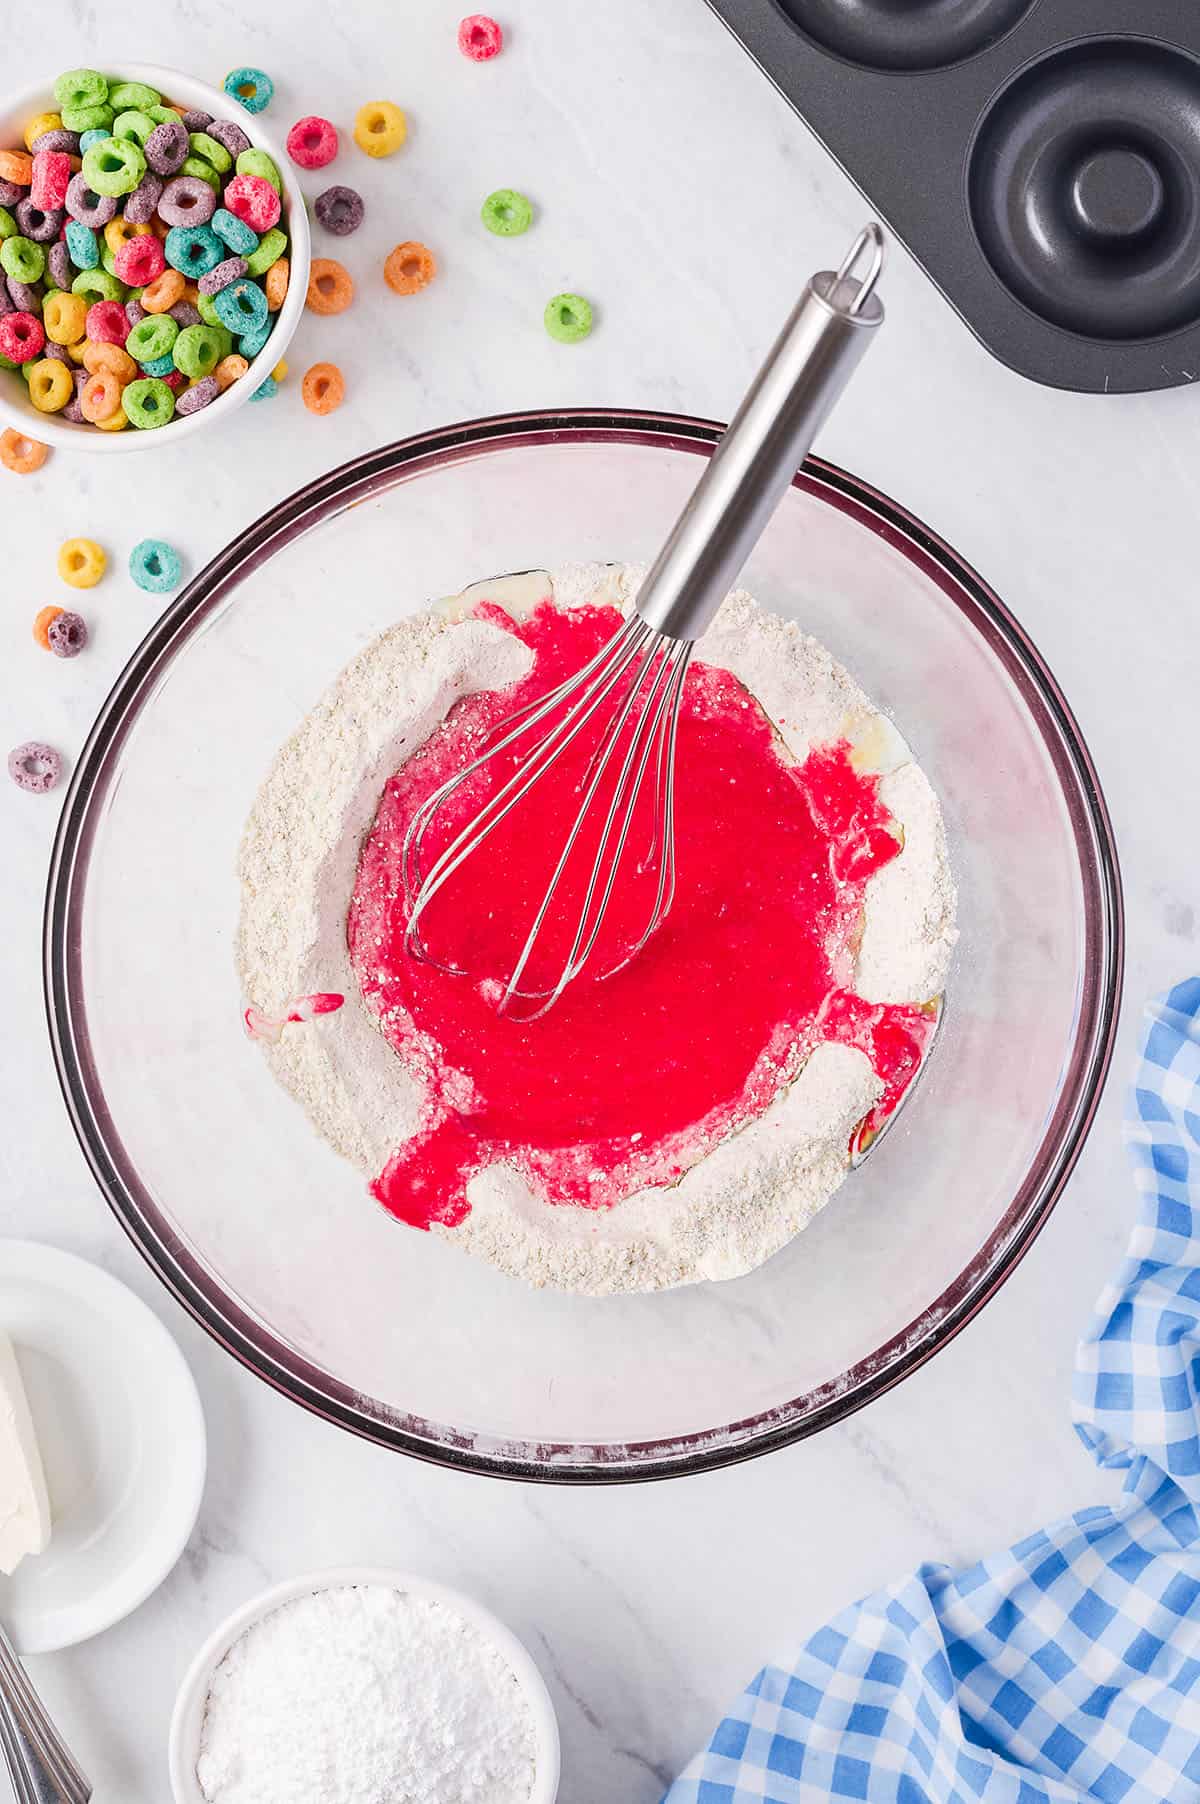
(56, 353)
(167, 146)
(72, 410)
(220, 277)
(134, 311)
(7, 304)
(230, 135)
(88, 208)
(67, 634)
(57, 140)
(34, 767)
(26, 297)
(340, 210)
(10, 194)
(187, 201)
(58, 261)
(198, 395)
(196, 120)
(36, 224)
(184, 314)
(140, 205)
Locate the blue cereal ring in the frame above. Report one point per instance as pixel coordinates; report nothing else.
(83, 247)
(194, 250)
(242, 307)
(87, 139)
(159, 366)
(241, 238)
(254, 89)
(251, 343)
(266, 388)
(155, 566)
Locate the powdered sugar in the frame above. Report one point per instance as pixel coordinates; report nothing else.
(365, 1695)
(743, 1197)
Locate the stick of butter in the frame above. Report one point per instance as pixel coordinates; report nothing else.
(24, 1504)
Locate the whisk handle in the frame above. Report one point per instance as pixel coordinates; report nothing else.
(795, 390)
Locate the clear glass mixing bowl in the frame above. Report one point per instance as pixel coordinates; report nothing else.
(272, 1241)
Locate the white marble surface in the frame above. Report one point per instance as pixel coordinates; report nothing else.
(676, 188)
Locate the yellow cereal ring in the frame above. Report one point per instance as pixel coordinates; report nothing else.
(50, 385)
(81, 563)
(75, 351)
(119, 231)
(116, 422)
(64, 316)
(279, 373)
(380, 128)
(39, 125)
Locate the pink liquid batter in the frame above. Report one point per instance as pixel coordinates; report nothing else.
(628, 1079)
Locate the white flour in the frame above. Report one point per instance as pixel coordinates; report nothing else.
(744, 1196)
(363, 1695)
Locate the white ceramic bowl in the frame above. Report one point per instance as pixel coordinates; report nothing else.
(18, 411)
(188, 1718)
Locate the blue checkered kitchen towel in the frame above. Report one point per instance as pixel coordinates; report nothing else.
(1067, 1668)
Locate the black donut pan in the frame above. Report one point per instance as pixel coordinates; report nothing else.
(1039, 158)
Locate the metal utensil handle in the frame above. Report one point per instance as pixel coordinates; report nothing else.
(40, 1765)
(808, 366)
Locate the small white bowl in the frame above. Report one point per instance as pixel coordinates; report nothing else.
(17, 410)
(188, 1718)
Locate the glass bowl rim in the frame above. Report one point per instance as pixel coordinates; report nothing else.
(254, 1342)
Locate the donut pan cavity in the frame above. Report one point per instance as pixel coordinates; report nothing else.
(1040, 158)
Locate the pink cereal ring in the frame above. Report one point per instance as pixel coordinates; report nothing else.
(253, 200)
(140, 260)
(480, 37)
(175, 381)
(51, 176)
(106, 323)
(22, 337)
(312, 142)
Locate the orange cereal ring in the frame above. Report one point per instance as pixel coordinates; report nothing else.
(409, 268)
(97, 357)
(229, 370)
(276, 283)
(42, 623)
(323, 388)
(330, 287)
(16, 166)
(161, 295)
(100, 397)
(22, 454)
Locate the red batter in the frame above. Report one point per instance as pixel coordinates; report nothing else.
(626, 1081)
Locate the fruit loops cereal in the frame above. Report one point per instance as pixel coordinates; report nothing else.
(41, 625)
(409, 268)
(34, 767)
(380, 128)
(506, 213)
(155, 566)
(479, 37)
(568, 317)
(125, 223)
(81, 563)
(21, 454)
(323, 388)
(66, 634)
(330, 286)
(339, 210)
(312, 142)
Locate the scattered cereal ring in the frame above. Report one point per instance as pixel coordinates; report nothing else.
(20, 453)
(41, 625)
(23, 296)
(149, 402)
(152, 337)
(133, 94)
(197, 350)
(242, 306)
(252, 199)
(279, 373)
(109, 357)
(251, 343)
(64, 317)
(155, 566)
(507, 213)
(479, 37)
(196, 119)
(22, 259)
(252, 87)
(185, 313)
(211, 149)
(68, 142)
(228, 270)
(88, 119)
(135, 125)
(75, 351)
(163, 366)
(409, 268)
(141, 260)
(50, 385)
(16, 166)
(266, 388)
(81, 87)
(234, 232)
(81, 563)
(82, 245)
(193, 249)
(67, 634)
(200, 169)
(186, 201)
(114, 166)
(257, 162)
(97, 285)
(38, 226)
(87, 139)
(323, 388)
(197, 395)
(230, 370)
(85, 205)
(275, 283)
(8, 224)
(162, 294)
(39, 125)
(21, 337)
(106, 323)
(167, 146)
(330, 286)
(269, 251)
(568, 318)
(120, 231)
(340, 210)
(35, 767)
(312, 142)
(51, 179)
(59, 268)
(229, 136)
(142, 205)
(117, 422)
(380, 128)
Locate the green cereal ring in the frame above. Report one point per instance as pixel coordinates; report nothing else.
(6, 363)
(152, 337)
(81, 87)
(108, 258)
(134, 125)
(242, 307)
(8, 224)
(257, 162)
(22, 259)
(161, 115)
(271, 247)
(568, 317)
(226, 338)
(133, 94)
(115, 166)
(216, 154)
(506, 213)
(87, 118)
(201, 167)
(206, 310)
(148, 402)
(198, 350)
(98, 285)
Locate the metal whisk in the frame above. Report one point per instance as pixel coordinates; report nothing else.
(632, 688)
